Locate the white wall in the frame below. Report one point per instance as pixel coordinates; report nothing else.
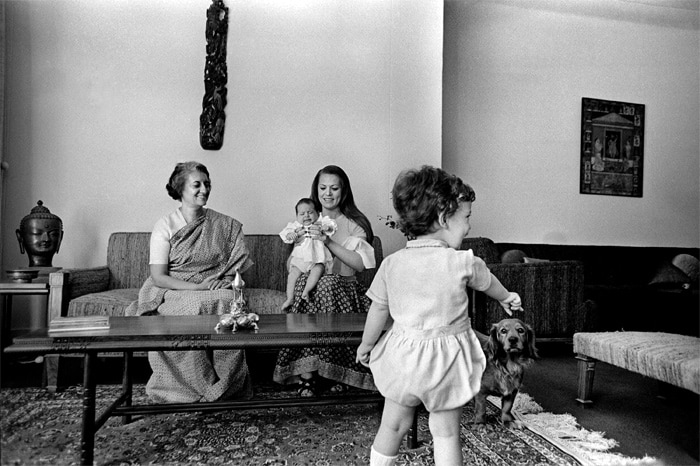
(104, 97)
(515, 73)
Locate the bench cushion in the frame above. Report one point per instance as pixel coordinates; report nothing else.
(105, 303)
(670, 358)
(114, 302)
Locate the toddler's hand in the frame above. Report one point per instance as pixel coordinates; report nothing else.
(511, 303)
(363, 354)
(292, 236)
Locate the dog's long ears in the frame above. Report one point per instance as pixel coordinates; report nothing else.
(530, 349)
(492, 344)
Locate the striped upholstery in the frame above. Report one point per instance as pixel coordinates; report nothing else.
(670, 358)
(109, 290)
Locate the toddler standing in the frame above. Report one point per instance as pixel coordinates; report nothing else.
(310, 254)
(430, 355)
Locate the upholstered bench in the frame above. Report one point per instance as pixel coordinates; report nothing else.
(667, 357)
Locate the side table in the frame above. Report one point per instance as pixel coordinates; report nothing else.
(8, 290)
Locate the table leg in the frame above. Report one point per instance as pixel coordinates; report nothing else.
(5, 329)
(87, 441)
(127, 384)
(412, 437)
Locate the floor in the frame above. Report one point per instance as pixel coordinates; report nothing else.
(644, 416)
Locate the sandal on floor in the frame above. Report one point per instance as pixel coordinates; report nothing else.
(338, 388)
(307, 387)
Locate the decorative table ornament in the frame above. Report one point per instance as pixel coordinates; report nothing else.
(238, 318)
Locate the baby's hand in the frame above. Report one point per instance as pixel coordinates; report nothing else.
(313, 231)
(511, 303)
(292, 236)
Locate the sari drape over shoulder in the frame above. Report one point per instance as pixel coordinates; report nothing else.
(212, 244)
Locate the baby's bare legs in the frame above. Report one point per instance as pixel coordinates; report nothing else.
(314, 276)
(294, 274)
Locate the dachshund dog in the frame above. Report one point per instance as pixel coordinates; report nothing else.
(509, 349)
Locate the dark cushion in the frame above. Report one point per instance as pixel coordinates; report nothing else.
(513, 256)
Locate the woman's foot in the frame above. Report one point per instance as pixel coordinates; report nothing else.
(307, 387)
(338, 388)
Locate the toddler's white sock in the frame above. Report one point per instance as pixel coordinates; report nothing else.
(377, 459)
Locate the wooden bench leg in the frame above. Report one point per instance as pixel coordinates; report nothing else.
(586, 370)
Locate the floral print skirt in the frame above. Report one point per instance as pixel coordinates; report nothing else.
(333, 294)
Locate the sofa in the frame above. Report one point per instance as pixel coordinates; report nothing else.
(624, 287)
(109, 289)
(552, 293)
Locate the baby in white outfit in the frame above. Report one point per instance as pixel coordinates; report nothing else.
(310, 254)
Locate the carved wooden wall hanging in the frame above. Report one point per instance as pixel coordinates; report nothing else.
(213, 118)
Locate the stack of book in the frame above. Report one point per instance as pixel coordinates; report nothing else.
(79, 324)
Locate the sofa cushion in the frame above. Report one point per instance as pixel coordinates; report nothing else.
(513, 256)
(263, 301)
(106, 303)
(114, 302)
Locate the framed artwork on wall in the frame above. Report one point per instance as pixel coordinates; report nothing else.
(612, 148)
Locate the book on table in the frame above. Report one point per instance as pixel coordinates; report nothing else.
(76, 324)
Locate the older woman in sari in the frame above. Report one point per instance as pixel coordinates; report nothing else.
(194, 255)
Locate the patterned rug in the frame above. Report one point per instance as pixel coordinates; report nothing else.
(40, 428)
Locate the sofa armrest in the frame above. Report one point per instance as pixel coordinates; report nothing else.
(68, 284)
(552, 296)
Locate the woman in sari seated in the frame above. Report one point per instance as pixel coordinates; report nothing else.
(337, 292)
(194, 255)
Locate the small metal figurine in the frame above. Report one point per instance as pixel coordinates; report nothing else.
(239, 318)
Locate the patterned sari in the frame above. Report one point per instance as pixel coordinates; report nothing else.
(214, 243)
(334, 293)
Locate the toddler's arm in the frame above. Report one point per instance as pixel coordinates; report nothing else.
(509, 301)
(374, 325)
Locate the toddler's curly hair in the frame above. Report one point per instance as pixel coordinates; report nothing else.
(422, 196)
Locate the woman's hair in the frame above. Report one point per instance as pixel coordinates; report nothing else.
(305, 200)
(421, 197)
(347, 200)
(177, 180)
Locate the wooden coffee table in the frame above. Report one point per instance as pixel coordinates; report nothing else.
(186, 333)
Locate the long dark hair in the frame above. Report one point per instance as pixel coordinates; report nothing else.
(347, 200)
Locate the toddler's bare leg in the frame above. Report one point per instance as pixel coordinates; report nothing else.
(294, 274)
(314, 276)
(444, 425)
(396, 420)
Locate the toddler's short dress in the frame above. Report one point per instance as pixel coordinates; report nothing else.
(430, 355)
(310, 252)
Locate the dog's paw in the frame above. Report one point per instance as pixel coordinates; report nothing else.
(514, 424)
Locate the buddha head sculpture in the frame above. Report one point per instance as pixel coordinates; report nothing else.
(40, 234)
